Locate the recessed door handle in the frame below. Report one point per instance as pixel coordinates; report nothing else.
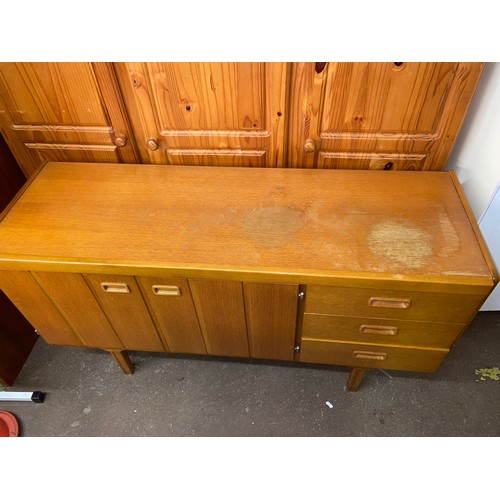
(172, 291)
(376, 356)
(115, 287)
(389, 302)
(378, 330)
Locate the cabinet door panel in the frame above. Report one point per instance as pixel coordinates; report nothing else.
(221, 313)
(172, 306)
(27, 295)
(75, 300)
(122, 302)
(227, 114)
(17, 338)
(63, 112)
(271, 312)
(344, 110)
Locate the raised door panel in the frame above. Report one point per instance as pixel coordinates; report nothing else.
(221, 312)
(271, 313)
(63, 112)
(224, 114)
(27, 295)
(390, 116)
(173, 309)
(122, 302)
(77, 304)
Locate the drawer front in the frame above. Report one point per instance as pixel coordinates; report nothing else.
(371, 355)
(386, 331)
(372, 303)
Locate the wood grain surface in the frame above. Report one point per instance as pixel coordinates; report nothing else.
(212, 113)
(387, 115)
(126, 312)
(77, 304)
(53, 111)
(441, 307)
(366, 355)
(271, 312)
(221, 313)
(396, 226)
(29, 298)
(175, 315)
(387, 331)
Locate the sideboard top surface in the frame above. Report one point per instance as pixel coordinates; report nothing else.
(310, 222)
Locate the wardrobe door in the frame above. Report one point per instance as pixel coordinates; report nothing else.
(225, 114)
(390, 116)
(64, 112)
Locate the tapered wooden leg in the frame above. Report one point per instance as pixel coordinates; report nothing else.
(123, 359)
(355, 378)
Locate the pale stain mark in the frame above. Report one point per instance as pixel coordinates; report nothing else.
(272, 226)
(400, 243)
(450, 237)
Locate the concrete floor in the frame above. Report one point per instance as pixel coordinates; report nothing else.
(88, 395)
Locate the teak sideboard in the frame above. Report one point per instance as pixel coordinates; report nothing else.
(366, 269)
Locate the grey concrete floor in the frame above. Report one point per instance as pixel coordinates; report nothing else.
(88, 395)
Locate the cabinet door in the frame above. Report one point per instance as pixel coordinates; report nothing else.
(172, 306)
(221, 313)
(378, 115)
(27, 295)
(226, 114)
(63, 112)
(74, 299)
(271, 313)
(17, 338)
(122, 302)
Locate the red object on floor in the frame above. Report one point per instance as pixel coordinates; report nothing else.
(8, 425)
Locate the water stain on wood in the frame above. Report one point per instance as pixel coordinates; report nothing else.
(451, 240)
(272, 226)
(400, 243)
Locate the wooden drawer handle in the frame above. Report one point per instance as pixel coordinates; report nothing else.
(115, 287)
(378, 330)
(172, 291)
(377, 356)
(389, 302)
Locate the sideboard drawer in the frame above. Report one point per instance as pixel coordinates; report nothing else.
(372, 303)
(371, 355)
(386, 331)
